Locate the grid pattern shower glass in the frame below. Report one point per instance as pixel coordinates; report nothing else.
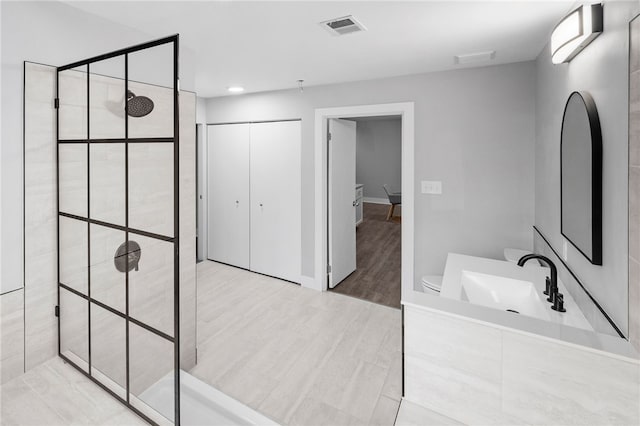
(117, 221)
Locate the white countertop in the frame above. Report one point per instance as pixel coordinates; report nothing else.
(532, 272)
(449, 303)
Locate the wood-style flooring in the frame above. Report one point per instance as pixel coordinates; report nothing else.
(298, 356)
(56, 394)
(377, 277)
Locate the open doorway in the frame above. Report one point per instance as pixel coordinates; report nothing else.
(364, 207)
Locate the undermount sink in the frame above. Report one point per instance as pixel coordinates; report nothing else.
(498, 292)
(504, 286)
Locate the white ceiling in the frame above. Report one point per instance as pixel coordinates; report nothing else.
(268, 45)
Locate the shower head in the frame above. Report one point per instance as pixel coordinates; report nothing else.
(138, 106)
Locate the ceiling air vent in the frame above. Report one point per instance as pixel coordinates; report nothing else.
(342, 26)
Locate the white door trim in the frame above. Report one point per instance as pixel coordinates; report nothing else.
(406, 110)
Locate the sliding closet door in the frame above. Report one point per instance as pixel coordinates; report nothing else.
(228, 193)
(276, 199)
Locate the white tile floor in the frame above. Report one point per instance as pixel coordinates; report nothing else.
(56, 394)
(411, 414)
(296, 355)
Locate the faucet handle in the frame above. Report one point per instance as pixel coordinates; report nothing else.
(547, 286)
(558, 303)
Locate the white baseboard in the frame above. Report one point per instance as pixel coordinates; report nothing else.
(309, 282)
(374, 200)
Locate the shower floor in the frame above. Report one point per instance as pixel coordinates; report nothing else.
(201, 404)
(55, 393)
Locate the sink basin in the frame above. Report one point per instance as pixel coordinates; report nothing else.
(498, 285)
(503, 293)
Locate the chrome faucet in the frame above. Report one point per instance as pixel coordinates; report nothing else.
(552, 282)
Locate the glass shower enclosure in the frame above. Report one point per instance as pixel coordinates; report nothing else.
(118, 222)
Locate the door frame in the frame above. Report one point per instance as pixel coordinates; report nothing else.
(406, 111)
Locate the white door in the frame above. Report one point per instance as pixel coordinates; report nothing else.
(342, 209)
(228, 194)
(276, 199)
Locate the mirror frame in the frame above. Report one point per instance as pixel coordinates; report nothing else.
(596, 180)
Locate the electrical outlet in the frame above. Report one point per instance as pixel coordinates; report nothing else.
(432, 187)
(564, 250)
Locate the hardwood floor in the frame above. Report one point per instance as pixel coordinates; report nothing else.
(377, 277)
(298, 356)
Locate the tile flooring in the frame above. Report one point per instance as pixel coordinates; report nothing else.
(54, 393)
(411, 414)
(296, 355)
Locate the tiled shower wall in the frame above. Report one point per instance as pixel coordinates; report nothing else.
(634, 183)
(29, 327)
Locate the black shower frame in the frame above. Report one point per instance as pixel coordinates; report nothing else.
(174, 39)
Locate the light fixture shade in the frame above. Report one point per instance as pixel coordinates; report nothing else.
(575, 32)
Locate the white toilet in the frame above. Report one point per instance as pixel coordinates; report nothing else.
(431, 284)
(513, 255)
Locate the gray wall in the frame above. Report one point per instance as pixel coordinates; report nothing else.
(602, 70)
(474, 132)
(379, 155)
(634, 187)
(51, 33)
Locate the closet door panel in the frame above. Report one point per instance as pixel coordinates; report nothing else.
(276, 199)
(228, 194)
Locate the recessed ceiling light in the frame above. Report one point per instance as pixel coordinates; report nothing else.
(235, 89)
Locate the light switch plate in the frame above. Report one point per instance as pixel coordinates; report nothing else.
(432, 187)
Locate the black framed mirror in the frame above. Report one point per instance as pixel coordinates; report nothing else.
(581, 176)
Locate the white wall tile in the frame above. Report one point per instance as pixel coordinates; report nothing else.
(11, 324)
(72, 89)
(545, 382)
(108, 348)
(40, 239)
(107, 283)
(106, 99)
(74, 260)
(453, 366)
(107, 183)
(72, 172)
(74, 326)
(527, 380)
(151, 187)
(158, 123)
(151, 286)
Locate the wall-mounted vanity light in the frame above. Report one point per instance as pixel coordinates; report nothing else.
(575, 32)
